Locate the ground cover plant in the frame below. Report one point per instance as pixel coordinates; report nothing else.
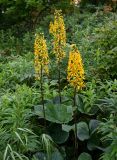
(58, 81)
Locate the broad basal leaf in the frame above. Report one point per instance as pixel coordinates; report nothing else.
(82, 131)
(57, 113)
(84, 156)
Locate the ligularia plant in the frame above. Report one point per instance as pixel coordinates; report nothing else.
(57, 29)
(41, 64)
(75, 76)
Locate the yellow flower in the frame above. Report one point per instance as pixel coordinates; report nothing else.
(57, 29)
(75, 70)
(41, 59)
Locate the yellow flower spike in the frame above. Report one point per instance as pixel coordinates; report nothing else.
(75, 70)
(57, 29)
(41, 58)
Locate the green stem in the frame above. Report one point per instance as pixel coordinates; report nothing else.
(75, 122)
(59, 81)
(42, 96)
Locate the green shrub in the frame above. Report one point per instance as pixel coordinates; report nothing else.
(109, 128)
(16, 128)
(16, 71)
(107, 54)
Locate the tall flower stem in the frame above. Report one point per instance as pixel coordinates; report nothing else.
(57, 29)
(75, 122)
(42, 96)
(59, 82)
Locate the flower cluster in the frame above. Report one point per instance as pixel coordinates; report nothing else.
(41, 55)
(75, 69)
(57, 29)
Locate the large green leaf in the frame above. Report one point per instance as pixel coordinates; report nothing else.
(82, 131)
(67, 128)
(58, 135)
(93, 142)
(93, 124)
(40, 156)
(56, 155)
(84, 156)
(57, 113)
